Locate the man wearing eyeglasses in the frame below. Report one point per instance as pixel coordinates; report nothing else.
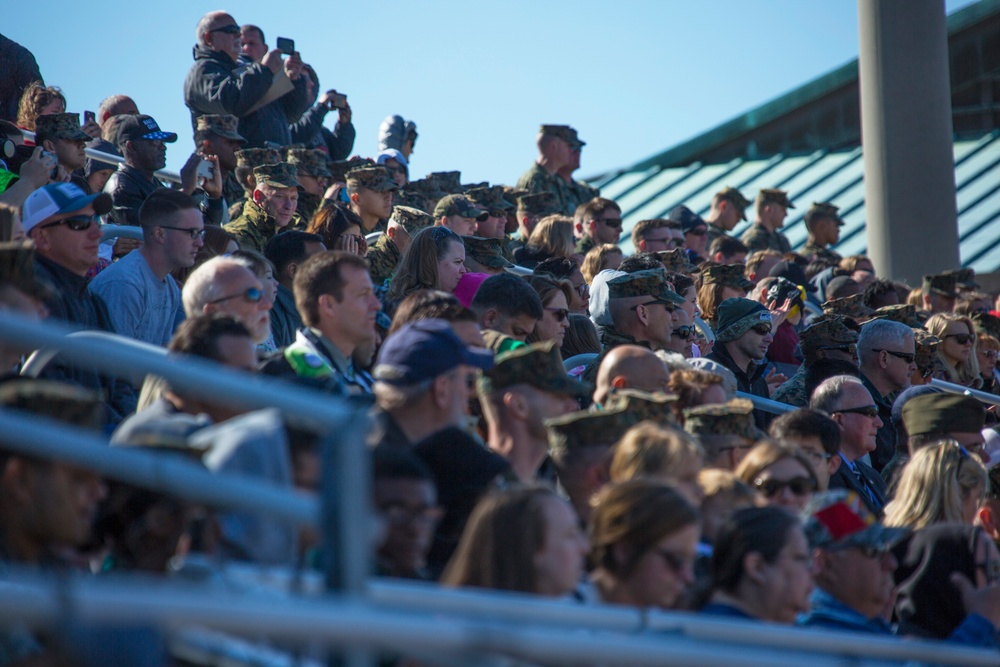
(226, 285)
(888, 361)
(62, 222)
(743, 334)
(599, 221)
(144, 301)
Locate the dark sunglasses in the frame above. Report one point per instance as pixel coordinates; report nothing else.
(961, 339)
(614, 223)
(666, 304)
(905, 356)
(869, 411)
(228, 29)
(761, 329)
(800, 486)
(683, 332)
(191, 231)
(77, 223)
(583, 290)
(560, 313)
(252, 295)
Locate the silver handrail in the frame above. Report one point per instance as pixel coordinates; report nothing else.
(981, 396)
(766, 404)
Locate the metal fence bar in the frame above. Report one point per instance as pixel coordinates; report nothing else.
(39, 359)
(981, 396)
(766, 404)
(162, 174)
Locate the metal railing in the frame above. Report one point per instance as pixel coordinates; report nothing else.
(982, 396)
(162, 174)
(766, 404)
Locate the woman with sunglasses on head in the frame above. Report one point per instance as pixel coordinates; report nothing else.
(435, 260)
(780, 475)
(957, 349)
(556, 296)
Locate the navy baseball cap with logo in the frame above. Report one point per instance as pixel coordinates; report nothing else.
(142, 127)
(423, 350)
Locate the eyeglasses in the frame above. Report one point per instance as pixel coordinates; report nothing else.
(800, 486)
(961, 339)
(870, 411)
(583, 289)
(683, 332)
(761, 329)
(77, 223)
(228, 29)
(676, 562)
(614, 223)
(560, 313)
(191, 231)
(847, 349)
(252, 295)
(905, 356)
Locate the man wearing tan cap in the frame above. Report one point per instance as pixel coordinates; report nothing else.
(60, 134)
(555, 154)
(272, 208)
(728, 209)
(772, 208)
(216, 134)
(370, 190)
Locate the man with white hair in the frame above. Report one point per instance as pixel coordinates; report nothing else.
(888, 359)
(227, 285)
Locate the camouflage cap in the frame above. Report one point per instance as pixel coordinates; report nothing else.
(339, 168)
(732, 418)
(411, 199)
(727, 275)
(925, 348)
(461, 206)
(602, 428)
(648, 283)
(475, 186)
(308, 161)
(830, 331)
(488, 252)
(428, 187)
(256, 157)
(281, 175)
(823, 210)
(539, 365)
(17, 269)
(538, 204)
(986, 323)
(736, 198)
(58, 400)
(643, 405)
(411, 219)
(676, 260)
(905, 313)
(839, 519)
(449, 181)
(371, 178)
(944, 284)
(221, 125)
(511, 194)
(964, 278)
(61, 126)
(564, 132)
(848, 306)
(490, 198)
(774, 196)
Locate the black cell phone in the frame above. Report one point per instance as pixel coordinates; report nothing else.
(339, 101)
(88, 117)
(286, 46)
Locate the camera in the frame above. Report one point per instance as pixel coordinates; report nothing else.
(784, 290)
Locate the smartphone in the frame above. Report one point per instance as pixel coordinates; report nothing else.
(54, 174)
(286, 46)
(89, 117)
(339, 101)
(206, 170)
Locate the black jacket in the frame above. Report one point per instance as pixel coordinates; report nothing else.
(845, 479)
(750, 384)
(309, 130)
(128, 188)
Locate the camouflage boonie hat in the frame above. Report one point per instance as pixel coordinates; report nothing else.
(828, 332)
(644, 406)
(732, 418)
(308, 161)
(371, 178)
(736, 198)
(58, 400)
(903, 313)
(339, 168)
(839, 519)
(925, 348)
(461, 206)
(411, 219)
(774, 196)
(648, 283)
(449, 181)
(488, 252)
(281, 175)
(824, 210)
(848, 306)
(602, 428)
(538, 204)
(944, 284)
(410, 199)
(427, 187)
(539, 365)
(564, 132)
(964, 278)
(256, 157)
(61, 126)
(221, 125)
(17, 269)
(986, 323)
(727, 275)
(676, 260)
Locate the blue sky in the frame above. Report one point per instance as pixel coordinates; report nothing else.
(478, 78)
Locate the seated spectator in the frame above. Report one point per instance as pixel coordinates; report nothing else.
(880, 293)
(726, 249)
(435, 259)
(629, 367)
(942, 483)
(263, 270)
(693, 388)
(525, 539)
(485, 255)
(552, 237)
(780, 475)
(115, 105)
(60, 134)
(11, 229)
(761, 567)
(643, 537)
(826, 338)
(596, 222)
(555, 296)
(599, 258)
(492, 200)
(655, 235)
(225, 285)
(726, 432)
(459, 214)
(508, 310)
(215, 243)
(666, 454)
(742, 337)
(339, 228)
(385, 253)
(271, 208)
(719, 283)
(682, 334)
(313, 176)
(21, 292)
(938, 293)
(945, 416)
(144, 301)
(581, 337)
(563, 268)
(97, 172)
(370, 190)
(957, 350)
(287, 252)
(38, 100)
(248, 159)
(815, 435)
(405, 498)
(723, 493)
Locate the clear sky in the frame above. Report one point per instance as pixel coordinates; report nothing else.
(634, 77)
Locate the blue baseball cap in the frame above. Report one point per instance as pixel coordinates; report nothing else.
(423, 350)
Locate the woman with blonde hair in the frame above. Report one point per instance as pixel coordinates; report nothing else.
(782, 476)
(38, 100)
(957, 349)
(552, 237)
(599, 258)
(667, 454)
(941, 483)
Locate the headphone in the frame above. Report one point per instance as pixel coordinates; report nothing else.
(8, 148)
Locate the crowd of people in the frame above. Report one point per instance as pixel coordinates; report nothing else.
(550, 414)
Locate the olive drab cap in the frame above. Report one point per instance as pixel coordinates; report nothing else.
(824, 210)
(986, 323)
(904, 313)
(427, 187)
(943, 413)
(944, 284)
(461, 206)
(371, 178)
(488, 252)
(449, 181)
(511, 194)
(309, 161)
(676, 260)
(58, 400)
(732, 418)
(576, 430)
(727, 275)
(61, 126)
(648, 283)
(736, 198)
(411, 219)
(644, 406)
(221, 125)
(964, 278)
(538, 204)
(774, 196)
(538, 365)
(256, 157)
(490, 198)
(848, 306)
(17, 269)
(829, 331)
(280, 175)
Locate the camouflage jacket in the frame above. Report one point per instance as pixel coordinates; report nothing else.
(537, 180)
(793, 391)
(254, 227)
(811, 250)
(758, 238)
(383, 256)
(578, 193)
(232, 191)
(308, 204)
(714, 233)
(583, 245)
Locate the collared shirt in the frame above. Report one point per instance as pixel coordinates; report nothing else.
(827, 611)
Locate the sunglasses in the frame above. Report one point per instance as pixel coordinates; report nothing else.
(666, 304)
(614, 223)
(905, 356)
(77, 223)
(683, 332)
(961, 339)
(800, 486)
(228, 29)
(252, 295)
(869, 411)
(560, 313)
(190, 231)
(761, 329)
(584, 290)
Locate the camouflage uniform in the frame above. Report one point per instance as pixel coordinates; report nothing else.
(813, 251)
(902, 313)
(579, 193)
(849, 306)
(249, 158)
(714, 233)
(488, 252)
(535, 206)
(223, 125)
(793, 391)
(537, 180)
(645, 406)
(255, 227)
(759, 238)
(820, 211)
(449, 182)
(676, 260)
(310, 162)
(383, 255)
(734, 197)
(584, 245)
(376, 179)
(538, 365)
(734, 418)
(826, 332)
(586, 429)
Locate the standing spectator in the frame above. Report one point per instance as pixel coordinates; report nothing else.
(727, 210)
(20, 70)
(272, 208)
(394, 132)
(287, 252)
(309, 129)
(555, 148)
(37, 100)
(144, 301)
(824, 226)
(577, 192)
(772, 208)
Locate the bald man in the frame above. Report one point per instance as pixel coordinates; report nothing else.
(630, 367)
